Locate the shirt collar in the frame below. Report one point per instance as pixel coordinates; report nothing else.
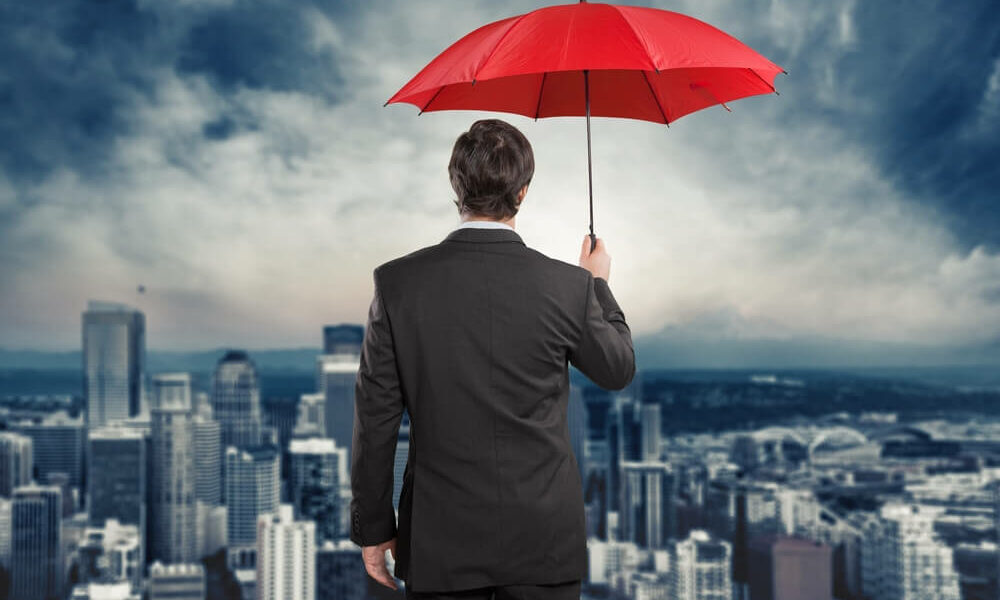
(485, 225)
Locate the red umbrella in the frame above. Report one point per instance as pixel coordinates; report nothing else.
(582, 59)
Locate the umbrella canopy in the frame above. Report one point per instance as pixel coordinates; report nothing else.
(589, 59)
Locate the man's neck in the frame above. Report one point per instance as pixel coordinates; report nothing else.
(508, 222)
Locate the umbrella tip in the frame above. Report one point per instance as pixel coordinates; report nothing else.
(784, 71)
(386, 104)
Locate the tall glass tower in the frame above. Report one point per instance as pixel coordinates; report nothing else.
(114, 359)
(172, 482)
(36, 562)
(236, 400)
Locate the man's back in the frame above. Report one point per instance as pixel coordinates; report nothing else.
(473, 336)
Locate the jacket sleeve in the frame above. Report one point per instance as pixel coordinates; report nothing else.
(604, 353)
(378, 410)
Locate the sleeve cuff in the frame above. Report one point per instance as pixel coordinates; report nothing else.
(372, 533)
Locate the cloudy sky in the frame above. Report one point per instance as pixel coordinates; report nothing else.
(235, 159)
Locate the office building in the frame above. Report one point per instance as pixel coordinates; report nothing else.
(650, 431)
(311, 420)
(337, 375)
(786, 568)
(114, 358)
(236, 400)
(902, 557)
(116, 476)
(576, 416)
(112, 553)
(5, 525)
(36, 561)
(173, 515)
(58, 443)
(701, 569)
(207, 457)
(314, 483)
(343, 339)
(253, 488)
(15, 462)
(286, 556)
(340, 572)
(176, 581)
(647, 513)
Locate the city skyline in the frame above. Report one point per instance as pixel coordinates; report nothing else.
(243, 175)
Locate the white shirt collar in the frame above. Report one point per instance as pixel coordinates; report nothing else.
(485, 225)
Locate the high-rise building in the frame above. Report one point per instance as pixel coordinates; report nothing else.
(311, 421)
(253, 488)
(647, 512)
(236, 400)
(116, 477)
(5, 523)
(314, 484)
(114, 358)
(576, 416)
(337, 375)
(650, 431)
(700, 569)
(343, 339)
(15, 462)
(173, 522)
(58, 442)
(176, 582)
(902, 557)
(286, 557)
(786, 568)
(36, 562)
(111, 553)
(207, 457)
(340, 572)
(401, 457)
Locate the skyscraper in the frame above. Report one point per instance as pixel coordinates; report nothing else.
(700, 569)
(340, 572)
(114, 358)
(311, 421)
(338, 374)
(286, 557)
(401, 457)
(58, 442)
(15, 462)
(253, 488)
(902, 557)
(207, 457)
(36, 562)
(236, 400)
(314, 484)
(650, 431)
(647, 512)
(116, 478)
(343, 339)
(173, 523)
(576, 416)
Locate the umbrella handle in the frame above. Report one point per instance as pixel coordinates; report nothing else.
(593, 241)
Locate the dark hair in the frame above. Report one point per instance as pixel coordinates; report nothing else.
(489, 165)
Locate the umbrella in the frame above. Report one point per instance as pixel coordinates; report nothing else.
(595, 59)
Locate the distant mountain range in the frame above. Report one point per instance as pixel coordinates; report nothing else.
(670, 349)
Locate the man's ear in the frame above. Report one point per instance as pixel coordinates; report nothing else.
(521, 194)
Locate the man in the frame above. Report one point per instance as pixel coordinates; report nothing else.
(473, 336)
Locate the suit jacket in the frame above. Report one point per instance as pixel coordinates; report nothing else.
(473, 337)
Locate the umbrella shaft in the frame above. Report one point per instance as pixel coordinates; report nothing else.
(590, 169)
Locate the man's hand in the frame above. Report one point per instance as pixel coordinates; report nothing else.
(597, 262)
(374, 557)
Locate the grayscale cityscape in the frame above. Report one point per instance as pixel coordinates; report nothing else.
(214, 482)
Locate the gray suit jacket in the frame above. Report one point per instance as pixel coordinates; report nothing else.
(473, 337)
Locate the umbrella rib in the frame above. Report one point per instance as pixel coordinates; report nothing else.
(433, 98)
(541, 89)
(764, 80)
(657, 98)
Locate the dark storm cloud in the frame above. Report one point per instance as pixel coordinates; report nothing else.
(71, 70)
(910, 83)
(260, 46)
(66, 68)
